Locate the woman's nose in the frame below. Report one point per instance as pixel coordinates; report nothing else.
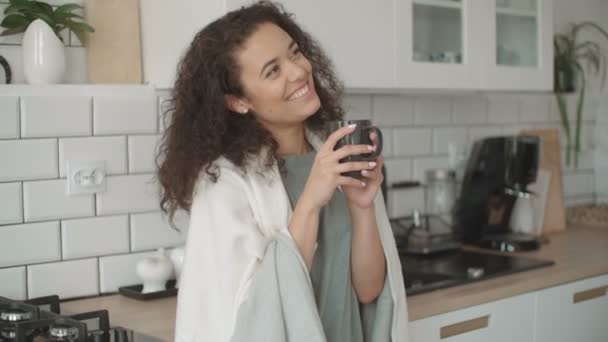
(296, 72)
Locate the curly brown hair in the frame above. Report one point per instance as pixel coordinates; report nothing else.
(202, 128)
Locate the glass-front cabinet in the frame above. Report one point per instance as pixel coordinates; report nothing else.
(474, 44)
(435, 44)
(522, 49)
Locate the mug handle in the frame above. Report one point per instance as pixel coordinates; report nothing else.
(379, 143)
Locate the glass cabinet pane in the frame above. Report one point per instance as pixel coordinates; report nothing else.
(517, 32)
(438, 31)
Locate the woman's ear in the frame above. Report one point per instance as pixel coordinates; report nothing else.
(236, 104)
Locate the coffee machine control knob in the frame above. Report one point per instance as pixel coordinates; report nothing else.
(475, 272)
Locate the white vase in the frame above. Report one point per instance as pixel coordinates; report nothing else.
(43, 54)
(154, 271)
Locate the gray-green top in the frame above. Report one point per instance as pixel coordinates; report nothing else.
(342, 316)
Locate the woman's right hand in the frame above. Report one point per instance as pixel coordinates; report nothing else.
(325, 174)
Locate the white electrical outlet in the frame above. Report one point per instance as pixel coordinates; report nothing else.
(86, 177)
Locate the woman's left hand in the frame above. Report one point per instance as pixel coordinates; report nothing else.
(363, 196)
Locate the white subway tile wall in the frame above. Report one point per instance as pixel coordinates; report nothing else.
(13, 282)
(94, 236)
(11, 201)
(152, 230)
(58, 278)
(432, 110)
(128, 194)
(28, 159)
(9, 117)
(503, 109)
(55, 116)
(142, 153)
(112, 150)
(48, 235)
(125, 115)
(29, 243)
(48, 200)
(469, 110)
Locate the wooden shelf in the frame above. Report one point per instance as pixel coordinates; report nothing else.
(440, 3)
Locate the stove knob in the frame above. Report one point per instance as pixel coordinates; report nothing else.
(120, 335)
(63, 332)
(99, 336)
(475, 272)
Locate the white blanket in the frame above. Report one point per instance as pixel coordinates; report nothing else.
(232, 222)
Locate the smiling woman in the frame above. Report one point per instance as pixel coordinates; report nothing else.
(248, 154)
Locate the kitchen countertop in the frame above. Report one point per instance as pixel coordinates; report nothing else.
(578, 253)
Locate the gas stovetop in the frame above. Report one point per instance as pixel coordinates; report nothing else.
(40, 319)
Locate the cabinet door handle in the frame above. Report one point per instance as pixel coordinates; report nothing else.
(464, 326)
(589, 294)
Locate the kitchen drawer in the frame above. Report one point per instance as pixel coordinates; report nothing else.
(574, 312)
(508, 320)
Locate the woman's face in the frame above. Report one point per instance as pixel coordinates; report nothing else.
(276, 78)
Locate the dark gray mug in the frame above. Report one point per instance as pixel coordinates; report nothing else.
(360, 136)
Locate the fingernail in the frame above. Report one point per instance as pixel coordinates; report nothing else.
(363, 184)
(370, 147)
(364, 172)
(372, 164)
(352, 126)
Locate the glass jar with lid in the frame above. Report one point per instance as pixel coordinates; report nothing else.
(440, 197)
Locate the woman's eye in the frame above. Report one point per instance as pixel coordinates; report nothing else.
(274, 70)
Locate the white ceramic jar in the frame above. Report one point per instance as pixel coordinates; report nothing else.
(154, 271)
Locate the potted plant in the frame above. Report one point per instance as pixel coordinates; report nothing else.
(43, 49)
(570, 56)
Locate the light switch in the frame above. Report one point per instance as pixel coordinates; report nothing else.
(86, 177)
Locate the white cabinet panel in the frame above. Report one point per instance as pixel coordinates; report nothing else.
(167, 29)
(505, 320)
(438, 43)
(520, 49)
(358, 36)
(574, 312)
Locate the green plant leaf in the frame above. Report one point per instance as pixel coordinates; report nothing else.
(19, 2)
(68, 8)
(563, 114)
(63, 17)
(12, 9)
(9, 32)
(79, 26)
(46, 19)
(14, 21)
(43, 7)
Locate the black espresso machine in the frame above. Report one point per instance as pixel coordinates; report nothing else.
(498, 172)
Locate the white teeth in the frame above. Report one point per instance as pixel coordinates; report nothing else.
(303, 91)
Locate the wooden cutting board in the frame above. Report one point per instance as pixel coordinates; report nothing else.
(555, 214)
(114, 49)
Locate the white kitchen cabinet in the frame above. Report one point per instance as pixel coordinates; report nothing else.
(358, 36)
(438, 43)
(474, 44)
(507, 320)
(167, 28)
(574, 312)
(387, 44)
(521, 48)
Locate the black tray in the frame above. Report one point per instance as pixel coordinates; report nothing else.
(134, 291)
